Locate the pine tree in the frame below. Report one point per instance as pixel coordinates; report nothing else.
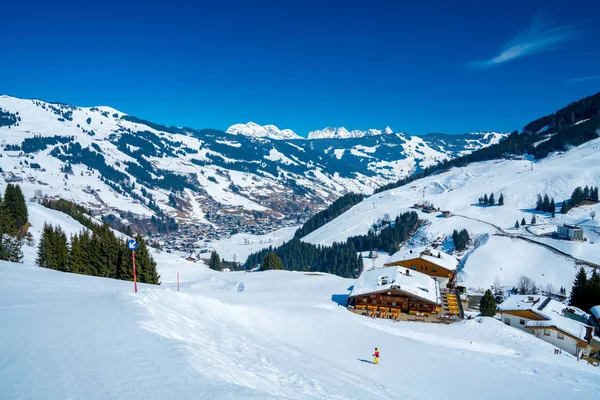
(77, 256)
(517, 224)
(215, 261)
(491, 199)
(487, 305)
(539, 204)
(144, 263)
(546, 203)
(59, 250)
(586, 193)
(563, 207)
(552, 208)
(501, 200)
(523, 222)
(578, 292)
(593, 291)
(270, 262)
(533, 220)
(485, 199)
(10, 248)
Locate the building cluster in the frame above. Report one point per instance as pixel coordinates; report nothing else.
(414, 282)
(568, 328)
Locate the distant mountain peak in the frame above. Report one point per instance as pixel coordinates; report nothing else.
(253, 129)
(343, 133)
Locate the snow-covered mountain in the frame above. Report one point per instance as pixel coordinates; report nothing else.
(343, 133)
(497, 248)
(270, 131)
(125, 168)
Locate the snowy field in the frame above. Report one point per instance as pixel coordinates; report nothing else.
(458, 191)
(239, 246)
(266, 335)
(283, 337)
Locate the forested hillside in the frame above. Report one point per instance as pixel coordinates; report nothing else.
(573, 125)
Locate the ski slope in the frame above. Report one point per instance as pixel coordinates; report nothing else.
(458, 191)
(282, 337)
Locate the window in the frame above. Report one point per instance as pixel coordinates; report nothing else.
(560, 335)
(413, 267)
(433, 269)
(364, 301)
(425, 268)
(521, 322)
(546, 332)
(507, 321)
(393, 303)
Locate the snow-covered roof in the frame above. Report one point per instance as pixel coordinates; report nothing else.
(382, 279)
(551, 310)
(595, 311)
(444, 260)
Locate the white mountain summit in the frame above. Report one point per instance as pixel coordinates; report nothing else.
(343, 133)
(256, 130)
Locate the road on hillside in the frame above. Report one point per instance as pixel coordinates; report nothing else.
(545, 245)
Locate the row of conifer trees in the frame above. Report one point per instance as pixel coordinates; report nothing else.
(96, 253)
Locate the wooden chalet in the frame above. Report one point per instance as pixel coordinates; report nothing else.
(394, 290)
(434, 263)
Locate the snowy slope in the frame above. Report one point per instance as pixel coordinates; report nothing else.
(282, 337)
(254, 130)
(343, 133)
(458, 191)
(119, 165)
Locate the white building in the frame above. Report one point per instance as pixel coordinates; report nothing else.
(544, 317)
(570, 232)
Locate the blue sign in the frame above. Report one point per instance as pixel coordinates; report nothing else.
(132, 245)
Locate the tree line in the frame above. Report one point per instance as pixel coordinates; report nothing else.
(579, 195)
(339, 258)
(97, 252)
(585, 293)
(334, 210)
(491, 200)
(564, 134)
(461, 239)
(545, 204)
(390, 237)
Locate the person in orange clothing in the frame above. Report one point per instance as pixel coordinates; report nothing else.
(376, 355)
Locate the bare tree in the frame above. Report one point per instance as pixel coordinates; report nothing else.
(497, 287)
(549, 289)
(525, 285)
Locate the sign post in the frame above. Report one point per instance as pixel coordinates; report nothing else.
(132, 245)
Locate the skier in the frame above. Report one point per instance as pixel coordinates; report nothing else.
(376, 355)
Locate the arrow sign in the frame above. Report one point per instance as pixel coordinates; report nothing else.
(132, 245)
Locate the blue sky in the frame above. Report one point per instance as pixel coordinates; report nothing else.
(443, 66)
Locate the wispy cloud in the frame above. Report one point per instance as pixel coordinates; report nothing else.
(584, 79)
(538, 37)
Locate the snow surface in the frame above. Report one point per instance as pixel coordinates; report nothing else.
(283, 336)
(269, 131)
(496, 250)
(239, 246)
(266, 335)
(343, 133)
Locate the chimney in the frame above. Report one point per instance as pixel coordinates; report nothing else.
(407, 272)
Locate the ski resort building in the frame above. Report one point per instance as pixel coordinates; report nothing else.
(394, 290)
(544, 317)
(436, 264)
(570, 232)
